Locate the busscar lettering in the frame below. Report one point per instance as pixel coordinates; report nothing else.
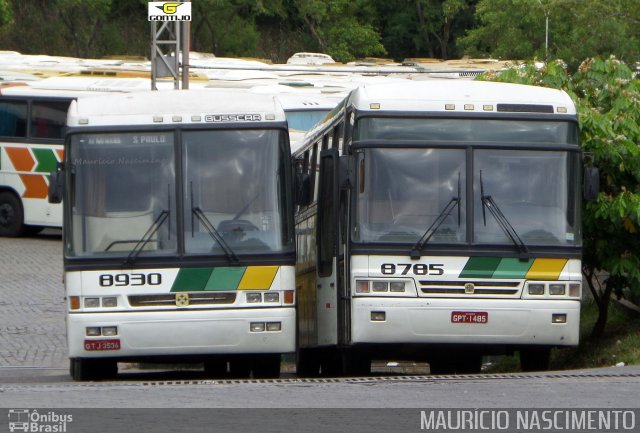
(233, 118)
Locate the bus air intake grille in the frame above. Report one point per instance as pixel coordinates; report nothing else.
(470, 288)
(169, 300)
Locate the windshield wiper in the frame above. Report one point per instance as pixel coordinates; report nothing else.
(416, 251)
(215, 235)
(144, 240)
(489, 203)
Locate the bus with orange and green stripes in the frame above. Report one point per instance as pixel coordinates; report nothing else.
(439, 221)
(178, 232)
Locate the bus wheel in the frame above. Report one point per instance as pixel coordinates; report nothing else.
(82, 369)
(11, 215)
(266, 366)
(239, 367)
(307, 363)
(535, 358)
(456, 364)
(215, 368)
(356, 364)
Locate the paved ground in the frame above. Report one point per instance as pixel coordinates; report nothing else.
(32, 331)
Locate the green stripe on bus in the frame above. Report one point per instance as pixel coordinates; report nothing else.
(512, 268)
(225, 278)
(191, 279)
(47, 161)
(480, 267)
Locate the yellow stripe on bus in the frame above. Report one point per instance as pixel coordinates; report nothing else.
(546, 269)
(258, 278)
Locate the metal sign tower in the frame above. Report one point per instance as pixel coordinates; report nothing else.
(169, 42)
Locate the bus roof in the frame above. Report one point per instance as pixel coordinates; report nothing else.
(175, 107)
(458, 96)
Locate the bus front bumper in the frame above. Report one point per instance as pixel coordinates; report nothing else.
(465, 321)
(181, 333)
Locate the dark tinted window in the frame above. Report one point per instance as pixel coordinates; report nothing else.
(48, 118)
(13, 118)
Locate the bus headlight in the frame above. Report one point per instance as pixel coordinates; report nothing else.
(272, 297)
(380, 286)
(557, 289)
(91, 302)
(110, 302)
(536, 289)
(253, 298)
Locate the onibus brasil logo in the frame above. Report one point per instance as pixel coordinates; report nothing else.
(169, 11)
(27, 420)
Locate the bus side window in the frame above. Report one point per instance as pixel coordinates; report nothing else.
(13, 119)
(314, 170)
(325, 142)
(48, 118)
(337, 137)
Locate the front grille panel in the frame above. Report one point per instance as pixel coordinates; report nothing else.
(169, 300)
(457, 288)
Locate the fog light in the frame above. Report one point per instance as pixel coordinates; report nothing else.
(257, 327)
(536, 289)
(93, 331)
(362, 286)
(557, 289)
(559, 318)
(378, 316)
(274, 326)
(574, 290)
(91, 302)
(110, 302)
(397, 286)
(110, 331)
(380, 286)
(272, 297)
(252, 298)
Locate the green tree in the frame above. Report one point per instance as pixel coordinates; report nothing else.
(578, 29)
(607, 98)
(342, 28)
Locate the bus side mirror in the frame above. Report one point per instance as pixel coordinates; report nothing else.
(303, 189)
(56, 184)
(591, 181)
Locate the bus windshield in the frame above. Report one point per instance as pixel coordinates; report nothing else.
(233, 197)
(402, 192)
(235, 194)
(122, 189)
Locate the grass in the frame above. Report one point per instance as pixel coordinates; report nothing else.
(620, 343)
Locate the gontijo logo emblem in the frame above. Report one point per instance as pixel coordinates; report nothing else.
(169, 11)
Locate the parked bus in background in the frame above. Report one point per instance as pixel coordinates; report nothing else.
(179, 237)
(32, 120)
(439, 221)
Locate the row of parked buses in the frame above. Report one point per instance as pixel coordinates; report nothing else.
(437, 221)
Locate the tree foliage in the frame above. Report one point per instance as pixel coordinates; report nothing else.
(578, 29)
(607, 98)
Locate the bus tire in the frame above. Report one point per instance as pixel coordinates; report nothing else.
(240, 367)
(535, 359)
(215, 368)
(266, 366)
(356, 364)
(307, 363)
(11, 215)
(82, 369)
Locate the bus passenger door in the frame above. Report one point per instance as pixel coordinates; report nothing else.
(327, 248)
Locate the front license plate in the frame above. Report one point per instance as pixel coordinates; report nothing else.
(479, 317)
(113, 344)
